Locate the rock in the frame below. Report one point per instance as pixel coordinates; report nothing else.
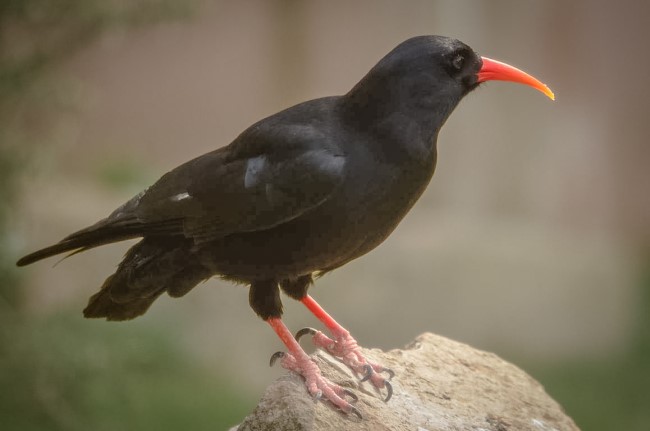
(439, 385)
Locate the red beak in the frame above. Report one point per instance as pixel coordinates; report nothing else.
(493, 70)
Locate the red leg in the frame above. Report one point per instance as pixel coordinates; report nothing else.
(345, 347)
(298, 360)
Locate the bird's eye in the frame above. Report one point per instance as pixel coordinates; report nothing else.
(458, 62)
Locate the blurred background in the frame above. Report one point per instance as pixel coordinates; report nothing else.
(532, 241)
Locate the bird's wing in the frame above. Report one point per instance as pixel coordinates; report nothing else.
(263, 179)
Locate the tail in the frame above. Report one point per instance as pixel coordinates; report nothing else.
(109, 230)
(121, 224)
(104, 232)
(151, 267)
(162, 262)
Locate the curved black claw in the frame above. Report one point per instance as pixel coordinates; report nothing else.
(390, 373)
(355, 412)
(368, 373)
(352, 395)
(275, 357)
(389, 389)
(305, 331)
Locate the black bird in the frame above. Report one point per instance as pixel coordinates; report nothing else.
(296, 195)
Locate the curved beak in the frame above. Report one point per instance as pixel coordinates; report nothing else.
(493, 70)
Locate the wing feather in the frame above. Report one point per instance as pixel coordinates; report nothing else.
(240, 189)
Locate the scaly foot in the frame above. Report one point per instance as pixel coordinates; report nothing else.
(318, 386)
(298, 361)
(345, 347)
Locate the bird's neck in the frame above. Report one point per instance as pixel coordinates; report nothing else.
(390, 112)
(392, 129)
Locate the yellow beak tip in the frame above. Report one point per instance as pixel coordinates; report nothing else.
(549, 93)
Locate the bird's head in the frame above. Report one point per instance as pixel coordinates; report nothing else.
(430, 74)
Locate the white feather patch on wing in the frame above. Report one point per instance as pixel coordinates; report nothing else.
(254, 168)
(180, 197)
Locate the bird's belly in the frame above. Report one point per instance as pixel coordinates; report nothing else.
(293, 249)
(344, 228)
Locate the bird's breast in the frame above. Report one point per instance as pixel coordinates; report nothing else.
(383, 194)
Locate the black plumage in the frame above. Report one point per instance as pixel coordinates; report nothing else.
(296, 195)
(301, 192)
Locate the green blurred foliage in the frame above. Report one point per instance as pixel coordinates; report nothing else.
(124, 174)
(36, 35)
(611, 394)
(9, 166)
(67, 373)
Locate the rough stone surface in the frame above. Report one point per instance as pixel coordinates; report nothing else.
(439, 384)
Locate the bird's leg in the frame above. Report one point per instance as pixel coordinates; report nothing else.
(345, 347)
(298, 360)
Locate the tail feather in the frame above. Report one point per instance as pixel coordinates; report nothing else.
(162, 262)
(75, 245)
(151, 267)
(104, 232)
(101, 304)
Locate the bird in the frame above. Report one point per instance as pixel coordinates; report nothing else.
(293, 197)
